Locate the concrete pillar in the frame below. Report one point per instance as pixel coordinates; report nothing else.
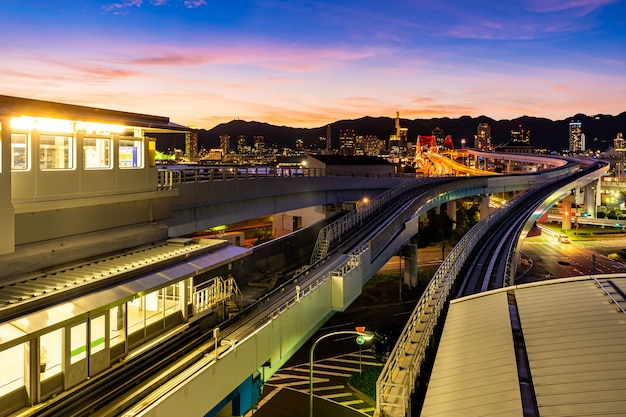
(410, 265)
(566, 214)
(451, 210)
(598, 201)
(590, 200)
(484, 206)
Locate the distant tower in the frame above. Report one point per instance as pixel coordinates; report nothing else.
(618, 143)
(328, 141)
(191, 145)
(483, 137)
(259, 143)
(225, 144)
(241, 144)
(347, 142)
(439, 136)
(520, 136)
(576, 137)
(397, 141)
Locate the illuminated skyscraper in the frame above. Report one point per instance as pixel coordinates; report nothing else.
(482, 140)
(520, 136)
(347, 142)
(576, 137)
(618, 142)
(397, 141)
(225, 144)
(439, 136)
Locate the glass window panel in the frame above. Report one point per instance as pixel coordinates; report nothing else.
(56, 152)
(97, 153)
(78, 347)
(12, 375)
(135, 315)
(131, 153)
(116, 325)
(51, 354)
(19, 151)
(154, 307)
(98, 332)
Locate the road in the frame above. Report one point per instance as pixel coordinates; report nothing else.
(551, 259)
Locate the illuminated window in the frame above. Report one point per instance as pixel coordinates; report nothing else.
(56, 152)
(131, 153)
(50, 354)
(12, 376)
(19, 150)
(97, 153)
(116, 325)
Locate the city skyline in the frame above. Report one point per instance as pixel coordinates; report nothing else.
(307, 64)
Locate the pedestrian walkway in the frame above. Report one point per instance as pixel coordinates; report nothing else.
(289, 389)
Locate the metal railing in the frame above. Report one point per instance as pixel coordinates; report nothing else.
(392, 389)
(170, 176)
(207, 295)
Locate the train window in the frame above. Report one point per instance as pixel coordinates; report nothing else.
(56, 152)
(131, 153)
(50, 354)
(19, 151)
(97, 153)
(12, 376)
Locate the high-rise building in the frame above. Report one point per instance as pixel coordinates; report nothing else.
(618, 143)
(347, 142)
(439, 136)
(482, 140)
(259, 143)
(520, 136)
(397, 141)
(241, 144)
(328, 140)
(225, 144)
(576, 137)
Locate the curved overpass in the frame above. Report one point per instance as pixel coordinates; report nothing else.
(302, 305)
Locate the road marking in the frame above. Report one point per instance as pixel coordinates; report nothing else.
(337, 395)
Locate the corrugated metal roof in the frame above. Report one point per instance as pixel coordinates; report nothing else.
(575, 338)
(576, 344)
(475, 372)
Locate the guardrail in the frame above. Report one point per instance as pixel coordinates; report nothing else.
(170, 176)
(393, 397)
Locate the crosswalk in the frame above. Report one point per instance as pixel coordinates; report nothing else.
(330, 380)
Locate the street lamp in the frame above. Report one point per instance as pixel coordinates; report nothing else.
(362, 336)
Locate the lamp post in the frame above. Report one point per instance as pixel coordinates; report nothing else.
(362, 337)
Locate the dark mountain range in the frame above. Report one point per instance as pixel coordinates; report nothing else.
(600, 130)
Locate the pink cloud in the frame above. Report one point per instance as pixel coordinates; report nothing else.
(120, 7)
(192, 4)
(581, 7)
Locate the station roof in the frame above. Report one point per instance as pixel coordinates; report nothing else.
(574, 333)
(17, 106)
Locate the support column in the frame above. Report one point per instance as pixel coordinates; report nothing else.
(451, 210)
(566, 215)
(484, 206)
(410, 265)
(590, 199)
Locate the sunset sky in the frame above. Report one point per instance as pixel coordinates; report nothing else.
(309, 63)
